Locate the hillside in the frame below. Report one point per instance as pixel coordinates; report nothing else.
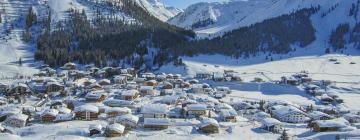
(213, 19)
(158, 9)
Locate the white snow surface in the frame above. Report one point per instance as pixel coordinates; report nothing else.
(230, 15)
(158, 9)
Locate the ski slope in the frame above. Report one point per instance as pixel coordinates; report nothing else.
(12, 48)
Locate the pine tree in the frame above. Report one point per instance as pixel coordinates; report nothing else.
(20, 62)
(262, 105)
(284, 136)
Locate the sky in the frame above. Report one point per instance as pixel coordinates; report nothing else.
(184, 3)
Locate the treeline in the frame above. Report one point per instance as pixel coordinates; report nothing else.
(274, 35)
(337, 37)
(106, 39)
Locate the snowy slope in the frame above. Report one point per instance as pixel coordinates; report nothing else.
(12, 48)
(227, 16)
(158, 9)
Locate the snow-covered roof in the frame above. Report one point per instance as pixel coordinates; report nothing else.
(281, 110)
(338, 123)
(169, 99)
(52, 112)
(97, 127)
(146, 87)
(118, 102)
(152, 81)
(317, 115)
(228, 112)
(156, 121)
(155, 109)
(64, 117)
(94, 94)
(261, 114)
(10, 111)
(64, 110)
(129, 117)
(90, 108)
(196, 107)
(14, 85)
(270, 122)
(80, 82)
(223, 106)
(129, 93)
(118, 109)
(209, 121)
(116, 127)
(21, 117)
(311, 86)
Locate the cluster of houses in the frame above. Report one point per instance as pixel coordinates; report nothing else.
(129, 100)
(275, 114)
(124, 98)
(227, 75)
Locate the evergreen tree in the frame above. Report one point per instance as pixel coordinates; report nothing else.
(262, 105)
(284, 136)
(20, 62)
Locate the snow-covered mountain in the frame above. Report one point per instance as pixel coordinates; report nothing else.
(158, 9)
(218, 17)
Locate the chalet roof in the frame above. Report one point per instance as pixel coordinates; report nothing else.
(156, 121)
(118, 102)
(209, 121)
(196, 107)
(90, 108)
(270, 122)
(155, 109)
(10, 111)
(64, 110)
(64, 117)
(228, 112)
(146, 88)
(281, 110)
(14, 85)
(129, 93)
(97, 127)
(116, 127)
(223, 106)
(94, 94)
(168, 99)
(21, 117)
(129, 117)
(317, 115)
(334, 123)
(261, 115)
(118, 109)
(52, 112)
